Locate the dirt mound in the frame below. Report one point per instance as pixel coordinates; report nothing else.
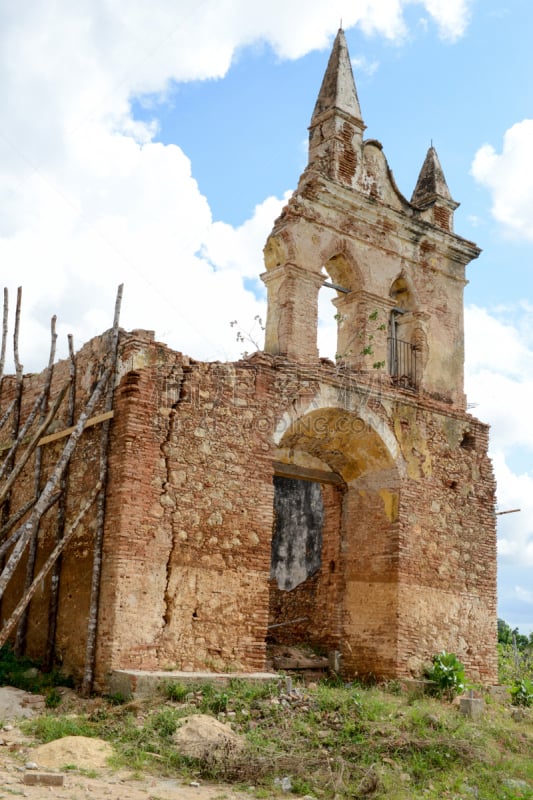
(201, 736)
(80, 751)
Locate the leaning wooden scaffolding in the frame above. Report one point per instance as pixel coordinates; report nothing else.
(19, 528)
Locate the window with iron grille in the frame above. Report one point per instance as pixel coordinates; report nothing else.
(403, 365)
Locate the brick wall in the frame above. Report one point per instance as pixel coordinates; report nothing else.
(408, 558)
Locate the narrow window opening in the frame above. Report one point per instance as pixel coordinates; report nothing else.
(468, 442)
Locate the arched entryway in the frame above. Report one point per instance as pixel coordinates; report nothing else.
(335, 540)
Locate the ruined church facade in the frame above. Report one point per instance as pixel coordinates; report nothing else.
(345, 504)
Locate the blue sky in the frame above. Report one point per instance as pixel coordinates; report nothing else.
(155, 146)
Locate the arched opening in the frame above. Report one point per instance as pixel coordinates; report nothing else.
(405, 355)
(337, 333)
(334, 554)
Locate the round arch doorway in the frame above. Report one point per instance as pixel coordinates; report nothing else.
(334, 566)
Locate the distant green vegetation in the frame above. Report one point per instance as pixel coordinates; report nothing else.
(515, 663)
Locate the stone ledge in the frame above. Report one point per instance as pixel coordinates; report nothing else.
(135, 683)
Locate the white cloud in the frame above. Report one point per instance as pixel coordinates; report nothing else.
(508, 176)
(241, 248)
(499, 374)
(363, 65)
(515, 531)
(525, 595)
(89, 200)
(451, 16)
(499, 366)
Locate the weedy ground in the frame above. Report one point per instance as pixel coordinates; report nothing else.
(329, 740)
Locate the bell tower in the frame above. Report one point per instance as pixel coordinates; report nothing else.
(397, 265)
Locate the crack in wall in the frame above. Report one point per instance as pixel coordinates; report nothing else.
(172, 391)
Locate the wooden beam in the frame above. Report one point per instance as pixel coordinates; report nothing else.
(306, 474)
(53, 437)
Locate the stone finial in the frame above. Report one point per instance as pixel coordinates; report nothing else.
(431, 181)
(431, 191)
(338, 85)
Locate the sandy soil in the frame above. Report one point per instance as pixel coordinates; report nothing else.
(20, 756)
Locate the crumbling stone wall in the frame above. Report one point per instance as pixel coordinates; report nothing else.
(408, 554)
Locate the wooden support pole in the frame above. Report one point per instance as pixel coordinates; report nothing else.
(5, 546)
(21, 463)
(50, 561)
(92, 626)
(10, 524)
(20, 639)
(7, 414)
(306, 474)
(4, 332)
(15, 422)
(54, 437)
(55, 581)
(14, 444)
(51, 484)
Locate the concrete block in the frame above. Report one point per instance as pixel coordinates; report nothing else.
(472, 707)
(43, 779)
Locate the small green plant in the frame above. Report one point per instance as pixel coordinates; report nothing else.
(51, 727)
(249, 336)
(116, 699)
(53, 698)
(447, 675)
(176, 692)
(367, 344)
(522, 693)
(165, 723)
(215, 703)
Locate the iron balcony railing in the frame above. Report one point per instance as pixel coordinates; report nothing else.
(403, 363)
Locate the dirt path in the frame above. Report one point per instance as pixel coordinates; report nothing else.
(19, 763)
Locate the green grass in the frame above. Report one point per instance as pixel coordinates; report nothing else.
(23, 673)
(332, 741)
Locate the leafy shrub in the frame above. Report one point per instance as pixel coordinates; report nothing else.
(447, 675)
(176, 692)
(522, 693)
(164, 722)
(53, 698)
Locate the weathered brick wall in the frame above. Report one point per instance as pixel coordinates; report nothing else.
(448, 543)
(210, 507)
(408, 559)
(76, 565)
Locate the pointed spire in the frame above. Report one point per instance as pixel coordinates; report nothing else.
(338, 86)
(336, 130)
(431, 182)
(431, 194)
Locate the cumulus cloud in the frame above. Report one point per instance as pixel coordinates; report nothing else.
(507, 175)
(515, 491)
(499, 370)
(451, 16)
(526, 595)
(89, 199)
(499, 366)
(363, 64)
